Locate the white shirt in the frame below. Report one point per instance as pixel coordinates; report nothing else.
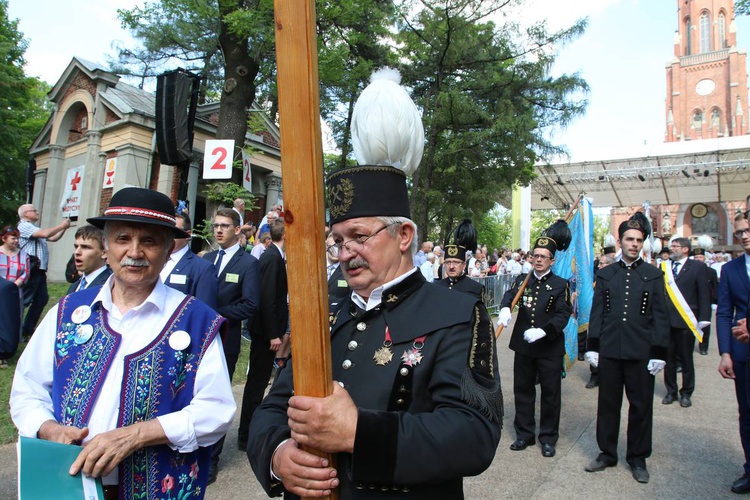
(92, 276)
(202, 423)
(513, 267)
(242, 217)
(258, 250)
(228, 254)
(377, 295)
(172, 261)
(426, 269)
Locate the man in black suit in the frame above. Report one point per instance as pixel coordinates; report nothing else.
(90, 259)
(539, 344)
(690, 297)
(338, 288)
(238, 294)
(188, 273)
(270, 331)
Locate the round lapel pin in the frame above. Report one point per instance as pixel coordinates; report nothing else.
(80, 314)
(179, 340)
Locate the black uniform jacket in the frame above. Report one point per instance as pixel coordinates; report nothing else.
(422, 425)
(629, 316)
(545, 304)
(463, 284)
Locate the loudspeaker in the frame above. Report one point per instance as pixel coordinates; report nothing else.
(176, 100)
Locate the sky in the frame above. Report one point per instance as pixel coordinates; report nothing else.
(622, 55)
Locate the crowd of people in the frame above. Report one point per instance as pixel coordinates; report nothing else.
(135, 363)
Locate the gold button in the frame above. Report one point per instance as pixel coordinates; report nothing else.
(399, 401)
(404, 372)
(361, 326)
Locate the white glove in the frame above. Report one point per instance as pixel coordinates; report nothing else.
(504, 317)
(714, 307)
(655, 366)
(533, 334)
(593, 358)
(703, 324)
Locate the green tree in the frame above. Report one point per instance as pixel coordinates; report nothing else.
(23, 112)
(494, 228)
(487, 100)
(741, 7)
(542, 219)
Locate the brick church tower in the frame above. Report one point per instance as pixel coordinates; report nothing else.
(707, 93)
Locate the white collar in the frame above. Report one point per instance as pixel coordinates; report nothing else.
(377, 294)
(157, 297)
(179, 254)
(92, 275)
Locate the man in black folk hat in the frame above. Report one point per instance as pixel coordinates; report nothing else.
(628, 341)
(539, 346)
(416, 402)
(132, 369)
(455, 262)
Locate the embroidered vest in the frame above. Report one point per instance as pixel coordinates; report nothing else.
(157, 380)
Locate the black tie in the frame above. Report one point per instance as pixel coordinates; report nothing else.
(675, 268)
(218, 261)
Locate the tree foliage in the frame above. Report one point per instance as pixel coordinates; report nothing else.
(741, 7)
(23, 112)
(487, 100)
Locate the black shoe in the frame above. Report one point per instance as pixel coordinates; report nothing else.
(213, 473)
(548, 450)
(593, 382)
(742, 485)
(520, 444)
(685, 402)
(704, 352)
(669, 399)
(598, 465)
(640, 474)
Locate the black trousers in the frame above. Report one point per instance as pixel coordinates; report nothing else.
(525, 371)
(258, 374)
(633, 376)
(706, 334)
(681, 344)
(35, 296)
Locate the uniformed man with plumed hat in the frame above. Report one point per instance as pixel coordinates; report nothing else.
(464, 239)
(416, 403)
(538, 342)
(628, 341)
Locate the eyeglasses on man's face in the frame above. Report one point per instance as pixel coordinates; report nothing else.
(741, 232)
(356, 244)
(539, 256)
(222, 226)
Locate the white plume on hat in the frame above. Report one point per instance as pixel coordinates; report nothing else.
(647, 247)
(386, 124)
(657, 245)
(705, 242)
(609, 240)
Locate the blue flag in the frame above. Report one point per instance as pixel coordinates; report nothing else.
(576, 264)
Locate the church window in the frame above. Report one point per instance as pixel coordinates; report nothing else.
(705, 30)
(716, 119)
(688, 37)
(697, 120)
(722, 30)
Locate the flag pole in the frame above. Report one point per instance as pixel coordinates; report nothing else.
(522, 288)
(302, 172)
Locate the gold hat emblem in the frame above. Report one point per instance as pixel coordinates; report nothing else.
(632, 223)
(542, 242)
(451, 250)
(340, 198)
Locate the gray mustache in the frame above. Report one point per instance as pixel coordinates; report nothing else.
(356, 264)
(127, 261)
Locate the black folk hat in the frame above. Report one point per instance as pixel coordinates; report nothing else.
(367, 191)
(699, 251)
(556, 237)
(140, 205)
(639, 222)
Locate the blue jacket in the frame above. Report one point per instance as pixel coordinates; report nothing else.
(734, 290)
(195, 276)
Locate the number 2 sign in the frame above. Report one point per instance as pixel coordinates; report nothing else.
(217, 159)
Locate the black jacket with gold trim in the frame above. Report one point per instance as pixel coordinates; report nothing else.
(629, 316)
(423, 425)
(545, 304)
(463, 284)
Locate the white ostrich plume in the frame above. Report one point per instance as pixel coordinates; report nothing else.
(705, 242)
(609, 240)
(386, 124)
(657, 245)
(647, 248)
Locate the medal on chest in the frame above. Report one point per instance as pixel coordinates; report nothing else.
(384, 355)
(413, 356)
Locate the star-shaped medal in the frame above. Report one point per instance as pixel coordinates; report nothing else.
(383, 356)
(411, 357)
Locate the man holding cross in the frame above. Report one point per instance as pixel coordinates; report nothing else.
(416, 403)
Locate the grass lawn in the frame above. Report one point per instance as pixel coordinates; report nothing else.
(8, 433)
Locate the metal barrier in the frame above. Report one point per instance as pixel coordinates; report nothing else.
(494, 289)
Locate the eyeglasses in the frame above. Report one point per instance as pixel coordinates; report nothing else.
(540, 256)
(31, 210)
(9, 229)
(452, 263)
(738, 234)
(355, 245)
(224, 227)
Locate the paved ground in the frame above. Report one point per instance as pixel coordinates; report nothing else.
(696, 450)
